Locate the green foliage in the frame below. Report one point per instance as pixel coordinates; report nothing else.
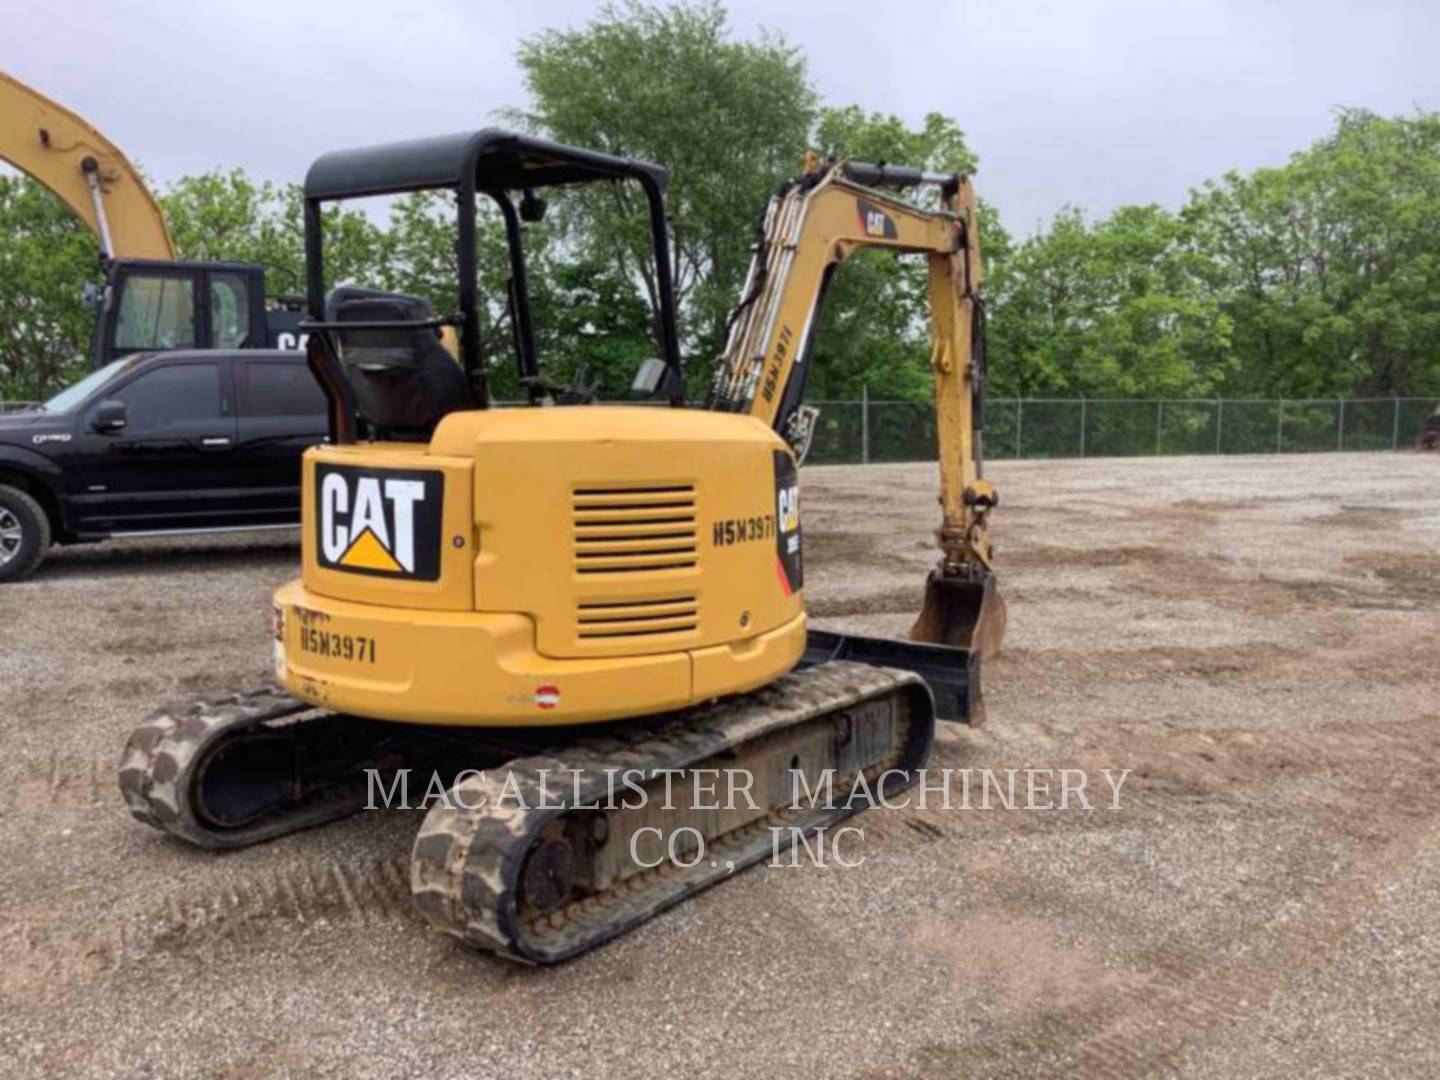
(229, 216)
(1319, 278)
(1116, 309)
(729, 120)
(588, 316)
(46, 258)
(938, 144)
(1329, 266)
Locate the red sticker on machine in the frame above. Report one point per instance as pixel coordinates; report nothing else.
(547, 697)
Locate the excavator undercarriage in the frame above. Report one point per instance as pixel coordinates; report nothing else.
(546, 843)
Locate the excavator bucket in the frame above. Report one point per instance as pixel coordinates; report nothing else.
(963, 613)
(961, 623)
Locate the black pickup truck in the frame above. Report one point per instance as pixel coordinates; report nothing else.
(175, 442)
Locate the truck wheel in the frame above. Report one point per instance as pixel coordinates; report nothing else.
(24, 533)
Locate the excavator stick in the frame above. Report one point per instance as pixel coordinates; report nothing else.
(810, 227)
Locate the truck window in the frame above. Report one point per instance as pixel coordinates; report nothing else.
(174, 397)
(229, 311)
(156, 312)
(277, 388)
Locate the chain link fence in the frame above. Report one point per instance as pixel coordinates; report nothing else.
(851, 432)
(856, 432)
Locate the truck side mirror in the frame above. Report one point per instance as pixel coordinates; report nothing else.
(109, 417)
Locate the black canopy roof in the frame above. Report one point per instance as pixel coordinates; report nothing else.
(497, 160)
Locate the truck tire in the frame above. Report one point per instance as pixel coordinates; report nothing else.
(24, 533)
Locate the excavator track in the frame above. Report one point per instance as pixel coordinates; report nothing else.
(228, 772)
(535, 861)
(533, 857)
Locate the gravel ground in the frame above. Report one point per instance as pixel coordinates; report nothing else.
(1253, 637)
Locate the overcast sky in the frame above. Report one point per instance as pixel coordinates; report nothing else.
(1092, 102)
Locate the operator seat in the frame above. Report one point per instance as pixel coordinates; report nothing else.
(403, 380)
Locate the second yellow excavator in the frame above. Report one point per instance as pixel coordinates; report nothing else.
(150, 300)
(586, 615)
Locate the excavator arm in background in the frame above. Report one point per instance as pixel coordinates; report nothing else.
(810, 227)
(85, 170)
(152, 301)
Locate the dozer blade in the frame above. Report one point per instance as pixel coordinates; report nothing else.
(953, 675)
(962, 613)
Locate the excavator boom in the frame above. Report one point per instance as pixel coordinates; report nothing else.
(811, 226)
(84, 169)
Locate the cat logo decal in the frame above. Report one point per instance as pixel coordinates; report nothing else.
(383, 522)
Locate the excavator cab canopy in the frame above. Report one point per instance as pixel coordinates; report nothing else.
(374, 353)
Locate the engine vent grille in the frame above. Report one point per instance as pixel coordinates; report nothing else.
(637, 618)
(641, 536)
(634, 530)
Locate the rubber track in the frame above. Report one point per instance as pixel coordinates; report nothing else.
(466, 864)
(162, 755)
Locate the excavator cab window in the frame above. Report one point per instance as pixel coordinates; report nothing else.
(153, 305)
(155, 311)
(229, 311)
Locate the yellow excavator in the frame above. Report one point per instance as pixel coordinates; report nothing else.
(150, 301)
(586, 617)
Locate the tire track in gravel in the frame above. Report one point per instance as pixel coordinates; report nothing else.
(361, 892)
(1372, 781)
(1184, 994)
(1157, 1023)
(61, 780)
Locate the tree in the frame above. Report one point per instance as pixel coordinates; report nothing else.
(1118, 309)
(938, 144)
(227, 215)
(1330, 265)
(729, 119)
(47, 256)
(586, 315)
